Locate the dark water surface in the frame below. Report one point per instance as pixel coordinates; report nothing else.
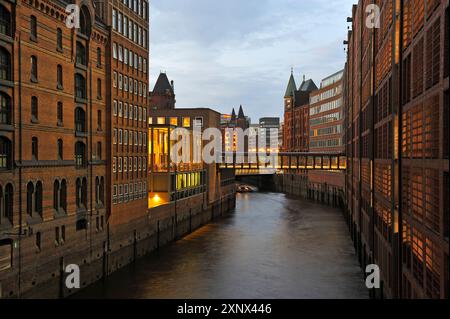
(272, 246)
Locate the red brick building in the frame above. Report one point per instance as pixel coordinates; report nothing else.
(129, 22)
(53, 140)
(396, 89)
(296, 115)
(163, 95)
(73, 135)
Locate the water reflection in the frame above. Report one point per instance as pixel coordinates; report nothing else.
(272, 246)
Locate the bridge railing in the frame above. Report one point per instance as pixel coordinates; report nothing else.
(278, 162)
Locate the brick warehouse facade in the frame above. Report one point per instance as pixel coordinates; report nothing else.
(53, 140)
(74, 147)
(396, 88)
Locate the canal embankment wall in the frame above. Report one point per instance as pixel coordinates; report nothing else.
(300, 185)
(119, 247)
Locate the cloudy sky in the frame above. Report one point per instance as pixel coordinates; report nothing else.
(225, 53)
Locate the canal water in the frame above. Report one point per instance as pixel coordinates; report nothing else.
(271, 246)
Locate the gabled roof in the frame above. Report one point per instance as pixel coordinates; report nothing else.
(291, 88)
(162, 85)
(308, 86)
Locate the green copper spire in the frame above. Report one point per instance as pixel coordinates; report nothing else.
(292, 87)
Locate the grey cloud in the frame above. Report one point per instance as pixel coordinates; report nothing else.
(225, 53)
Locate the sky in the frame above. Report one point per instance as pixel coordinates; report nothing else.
(221, 54)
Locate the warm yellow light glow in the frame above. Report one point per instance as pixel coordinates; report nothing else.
(161, 120)
(186, 122)
(155, 200)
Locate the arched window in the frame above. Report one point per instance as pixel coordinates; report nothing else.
(5, 64)
(33, 27)
(99, 57)
(97, 190)
(35, 148)
(81, 54)
(78, 193)
(8, 203)
(38, 198)
(63, 196)
(34, 69)
(5, 21)
(56, 193)
(81, 224)
(59, 76)
(81, 193)
(80, 120)
(5, 109)
(60, 113)
(80, 86)
(99, 89)
(34, 109)
(102, 190)
(85, 21)
(5, 153)
(80, 156)
(84, 189)
(59, 39)
(60, 149)
(30, 195)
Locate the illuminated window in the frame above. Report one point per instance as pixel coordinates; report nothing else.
(174, 121)
(161, 120)
(160, 149)
(186, 122)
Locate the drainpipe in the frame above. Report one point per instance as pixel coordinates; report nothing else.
(20, 165)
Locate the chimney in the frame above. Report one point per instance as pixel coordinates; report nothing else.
(172, 85)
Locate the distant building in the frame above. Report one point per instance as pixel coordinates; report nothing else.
(326, 116)
(281, 136)
(296, 115)
(326, 130)
(163, 95)
(230, 143)
(266, 125)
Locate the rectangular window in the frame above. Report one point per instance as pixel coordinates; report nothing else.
(125, 25)
(114, 19)
(119, 23)
(115, 51)
(120, 53)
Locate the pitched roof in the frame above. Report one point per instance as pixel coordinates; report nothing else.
(308, 86)
(162, 85)
(233, 115)
(291, 88)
